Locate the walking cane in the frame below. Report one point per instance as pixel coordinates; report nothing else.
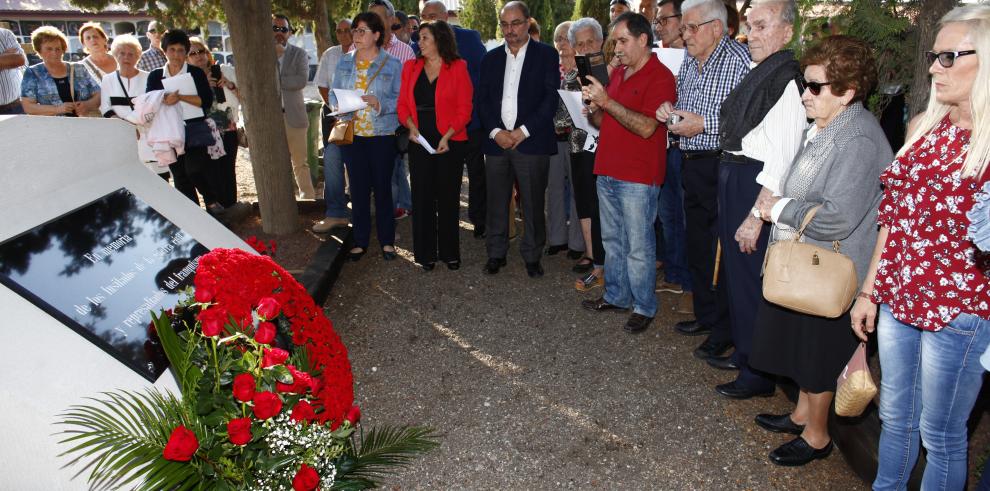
(718, 261)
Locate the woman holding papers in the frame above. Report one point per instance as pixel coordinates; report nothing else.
(370, 159)
(435, 104)
(187, 85)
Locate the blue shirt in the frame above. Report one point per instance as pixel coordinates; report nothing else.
(39, 85)
(702, 92)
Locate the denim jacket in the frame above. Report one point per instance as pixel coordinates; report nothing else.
(385, 87)
(39, 85)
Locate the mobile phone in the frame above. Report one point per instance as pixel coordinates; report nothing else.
(218, 93)
(592, 64)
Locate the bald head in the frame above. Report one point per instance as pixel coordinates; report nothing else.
(433, 10)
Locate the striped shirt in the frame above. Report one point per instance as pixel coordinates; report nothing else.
(400, 50)
(152, 59)
(701, 89)
(10, 78)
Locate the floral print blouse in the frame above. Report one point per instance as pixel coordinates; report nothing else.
(929, 271)
(39, 85)
(362, 120)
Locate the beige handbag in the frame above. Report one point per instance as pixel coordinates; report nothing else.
(807, 278)
(855, 387)
(342, 132)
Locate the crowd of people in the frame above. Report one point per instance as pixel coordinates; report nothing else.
(695, 171)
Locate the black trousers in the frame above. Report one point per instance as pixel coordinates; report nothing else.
(436, 191)
(737, 191)
(474, 159)
(221, 171)
(532, 174)
(585, 189)
(711, 307)
(191, 173)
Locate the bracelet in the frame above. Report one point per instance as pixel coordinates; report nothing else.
(865, 295)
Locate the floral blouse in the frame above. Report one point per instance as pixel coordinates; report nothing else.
(929, 271)
(39, 85)
(363, 125)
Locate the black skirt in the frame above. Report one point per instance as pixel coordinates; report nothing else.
(808, 349)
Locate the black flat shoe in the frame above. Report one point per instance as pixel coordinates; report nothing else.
(797, 452)
(600, 305)
(428, 266)
(692, 328)
(584, 265)
(637, 323)
(479, 232)
(723, 363)
(733, 390)
(556, 249)
(574, 255)
(711, 349)
(388, 255)
(534, 270)
(494, 264)
(779, 423)
(454, 265)
(355, 256)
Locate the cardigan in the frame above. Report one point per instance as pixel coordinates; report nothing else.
(453, 96)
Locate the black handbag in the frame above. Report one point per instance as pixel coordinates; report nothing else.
(402, 139)
(199, 134)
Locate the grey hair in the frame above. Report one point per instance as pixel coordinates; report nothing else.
(389, 8)
(711, 9)
(433, 2)
(123, 41)
(788, 9)
(584, 23)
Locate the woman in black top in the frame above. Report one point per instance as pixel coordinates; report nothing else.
(189, 170)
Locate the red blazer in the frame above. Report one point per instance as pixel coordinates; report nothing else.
(453, 97)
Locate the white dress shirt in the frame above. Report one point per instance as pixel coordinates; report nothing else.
(510, 89)
(778, 207)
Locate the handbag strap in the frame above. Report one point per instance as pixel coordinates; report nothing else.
(72, 81)
(373, 77)
(804, 224)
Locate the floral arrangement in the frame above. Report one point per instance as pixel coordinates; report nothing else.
(267, 397)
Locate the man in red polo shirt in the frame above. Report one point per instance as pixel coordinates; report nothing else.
(630, 164)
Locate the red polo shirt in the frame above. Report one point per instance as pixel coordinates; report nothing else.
(621, 153)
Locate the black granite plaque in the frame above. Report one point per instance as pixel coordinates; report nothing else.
(101, 270)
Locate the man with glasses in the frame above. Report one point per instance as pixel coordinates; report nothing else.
(293, 74)
(333, 163)
(472, 50)
(11, 62)
(153, 58)
(714, 66)
(667, 24)
(761, 125)
(517, 99)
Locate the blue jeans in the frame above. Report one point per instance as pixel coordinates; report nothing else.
(672, 218)
(627, 212)
(333, 182)
(929, 386)
(400, 184)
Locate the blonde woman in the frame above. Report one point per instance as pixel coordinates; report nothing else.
(96, 45)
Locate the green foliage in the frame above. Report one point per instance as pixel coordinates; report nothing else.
(379, 454)
(883, 25)
(596, 9)
(482, 16)
(542, 11)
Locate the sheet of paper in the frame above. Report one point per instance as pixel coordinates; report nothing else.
(348, 101)
(184, 85)
(426, 145)
(671, 58)
(574, 104)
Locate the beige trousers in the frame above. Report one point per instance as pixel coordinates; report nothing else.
(300, 167)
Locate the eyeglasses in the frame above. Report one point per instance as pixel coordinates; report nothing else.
(814, 87)
(513, 25)
(663, 20)
(197, 52)
(693, 28)
(360, 31)
(280, 29)
(946, 58)
(152, 31)
(343, 31)
(414, 28)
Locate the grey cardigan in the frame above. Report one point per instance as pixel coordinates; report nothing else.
(848, 188)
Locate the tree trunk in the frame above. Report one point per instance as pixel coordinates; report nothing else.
(321, 30)
(930, 12)
(256, 72)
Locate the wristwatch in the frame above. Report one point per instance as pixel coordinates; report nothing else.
(756, 212)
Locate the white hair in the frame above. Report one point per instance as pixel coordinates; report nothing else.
(123, 41)
(710, 9)
(584, 23)
(788, 9)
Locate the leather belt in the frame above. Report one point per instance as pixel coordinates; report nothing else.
(701, 154)
(738, 159)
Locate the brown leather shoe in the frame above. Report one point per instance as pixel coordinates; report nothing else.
(637, 323)
(600, 305)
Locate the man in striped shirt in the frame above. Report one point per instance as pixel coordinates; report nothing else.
(715, 65)
(11, 62)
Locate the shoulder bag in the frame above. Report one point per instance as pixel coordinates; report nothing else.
(809, 279)
(343, 129)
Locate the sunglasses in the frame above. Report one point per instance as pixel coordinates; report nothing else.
(197, 52)
(814, 87)
(152, 31)
(280, 29)
(946, 58)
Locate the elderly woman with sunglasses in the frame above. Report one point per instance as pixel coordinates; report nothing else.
(932, 284)
(834, 180)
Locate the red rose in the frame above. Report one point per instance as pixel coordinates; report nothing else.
(265, 333)
(306, 479)
(266, 405)
(239, 431)
(181, 446)
(353, 415)
(244, 387)
(204, 295)
(303, 411)
(273, 356)
(268, 308)
(301, 382)
(212, 321)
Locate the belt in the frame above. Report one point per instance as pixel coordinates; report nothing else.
(12, 105)
(701, 154)
(738, 159)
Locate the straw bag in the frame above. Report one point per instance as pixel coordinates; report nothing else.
(855, 385)
(807, 278)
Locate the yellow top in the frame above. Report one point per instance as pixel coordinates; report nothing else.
(362, 120)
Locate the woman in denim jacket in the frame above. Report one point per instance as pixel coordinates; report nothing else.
(371, 157)
(56, 88)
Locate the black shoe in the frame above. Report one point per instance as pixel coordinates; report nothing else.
(637, 323)
(574, 255)
(734, 391)
(779, 423)
(711, 349)
(356, 256)
(388, 255)
(600, 305)
(454, 265)
(797, 452)
(554, 249)
(723, 363)
(493, 265)
(428, 266)
(692, 328)
(584, 265)
(534, 270)
(479, 232)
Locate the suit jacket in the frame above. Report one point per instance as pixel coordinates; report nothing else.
(293, 74)
(472, 50)
(536, 99)
(452, 100)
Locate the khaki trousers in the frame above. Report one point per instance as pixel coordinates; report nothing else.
(300, 167)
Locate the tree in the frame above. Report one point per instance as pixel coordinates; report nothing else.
(482, 16)
(883, 24)
(542, 11)
(596, 9)
(930, 11)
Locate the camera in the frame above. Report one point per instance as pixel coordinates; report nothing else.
(673, 119)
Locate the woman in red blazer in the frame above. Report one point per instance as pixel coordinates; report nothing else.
(435, 104)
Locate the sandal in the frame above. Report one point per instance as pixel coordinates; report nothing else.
(584, 265)
(589, 282)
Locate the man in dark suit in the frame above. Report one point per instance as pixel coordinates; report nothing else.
(517, 99)
(472, 50)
